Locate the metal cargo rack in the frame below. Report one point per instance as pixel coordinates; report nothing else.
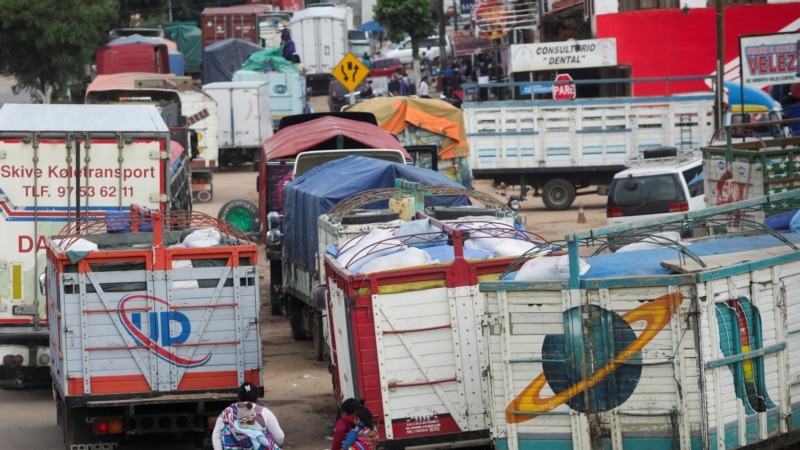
(731, 219)
(416, 190)
(140, 225)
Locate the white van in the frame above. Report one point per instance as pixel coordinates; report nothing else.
(662, 181)
(428, 46)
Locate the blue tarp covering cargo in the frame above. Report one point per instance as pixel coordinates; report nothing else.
(317, 191)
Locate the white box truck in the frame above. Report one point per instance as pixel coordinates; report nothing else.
(320, 36)
(59, 163)
(287, 91)
(196, 111)
(245, 119)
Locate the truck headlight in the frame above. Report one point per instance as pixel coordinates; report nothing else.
(273, 221)
(274, 237)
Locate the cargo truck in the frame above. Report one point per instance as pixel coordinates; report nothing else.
(693, 346)
(245, 120)
(406, 331)
(747, 166)
(564, 148)
(320, 36)
(334, 136)
(153, 320)
(302, 143)
(153, 58)
(238, 21)
(182, 105)
(287, 91)
(69, 162)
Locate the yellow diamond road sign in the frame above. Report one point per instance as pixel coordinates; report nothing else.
(350, 71)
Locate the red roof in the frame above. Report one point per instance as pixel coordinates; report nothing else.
(238, 9)
(328, 130)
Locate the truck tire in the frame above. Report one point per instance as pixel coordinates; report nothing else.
(297, 314)
(363, 216)
(243, 214)
(558, 194)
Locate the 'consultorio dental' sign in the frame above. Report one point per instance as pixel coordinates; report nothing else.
(562, 55)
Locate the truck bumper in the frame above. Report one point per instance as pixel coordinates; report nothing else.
(25, 377)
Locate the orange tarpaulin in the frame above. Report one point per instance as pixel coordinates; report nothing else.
(396, 114)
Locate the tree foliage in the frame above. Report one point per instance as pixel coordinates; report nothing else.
(46, 44)
(154, 13)
(411, 17)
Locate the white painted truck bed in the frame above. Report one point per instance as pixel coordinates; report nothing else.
(706, 357)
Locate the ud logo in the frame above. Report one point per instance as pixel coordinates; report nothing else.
(153, 330)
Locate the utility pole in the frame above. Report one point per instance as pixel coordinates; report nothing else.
(443, 56)
(720, 80)
(456, 13)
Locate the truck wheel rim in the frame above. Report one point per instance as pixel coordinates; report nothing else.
(241, 219)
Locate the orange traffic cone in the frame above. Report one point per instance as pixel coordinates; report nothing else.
(581, 214)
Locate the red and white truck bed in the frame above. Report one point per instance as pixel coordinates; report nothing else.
(148, 335)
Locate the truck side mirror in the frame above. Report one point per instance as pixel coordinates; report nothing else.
(42, 283)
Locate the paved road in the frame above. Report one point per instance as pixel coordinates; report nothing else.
(30, 423)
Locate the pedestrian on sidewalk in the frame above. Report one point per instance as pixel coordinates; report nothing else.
(424, 90)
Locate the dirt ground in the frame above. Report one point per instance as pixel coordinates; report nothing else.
(298, 388)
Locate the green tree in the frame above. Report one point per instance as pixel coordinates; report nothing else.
(411, 17)
(47, 44)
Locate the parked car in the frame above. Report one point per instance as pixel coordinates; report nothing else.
(663, 181)
(339, 96)
(386, 67)
(428, 46)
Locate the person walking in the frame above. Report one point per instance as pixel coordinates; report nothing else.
(424, 90)
(248, 392)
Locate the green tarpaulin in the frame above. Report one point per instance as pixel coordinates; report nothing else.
(269, 59)
(190, 42)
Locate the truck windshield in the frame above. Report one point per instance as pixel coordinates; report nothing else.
(309, 160)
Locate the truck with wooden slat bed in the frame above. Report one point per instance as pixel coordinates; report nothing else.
(154, 324)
